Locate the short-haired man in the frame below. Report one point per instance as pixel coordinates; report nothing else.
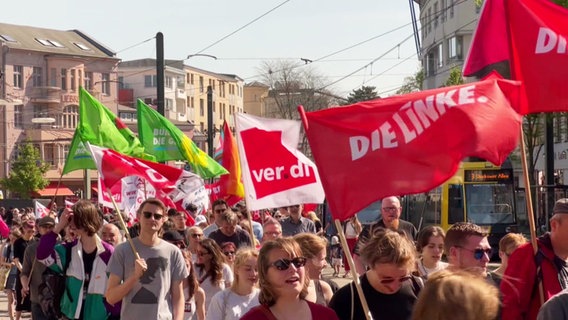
(219, 206)
(520, 290)
(271, 230)
(228, 231)
(150, 287)
(111, 234)
(467, 248)
(295, 223)
(256, 227)
(179, 218)
(390, 219)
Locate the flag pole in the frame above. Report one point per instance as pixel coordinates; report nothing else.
(343, 241)
(530, 213)
(55, 195)
(123, 225)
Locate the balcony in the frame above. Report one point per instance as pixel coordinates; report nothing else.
(180, 94)
(45, 95)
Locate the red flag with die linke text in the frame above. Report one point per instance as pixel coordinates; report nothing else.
(275, 173)
(410, 143)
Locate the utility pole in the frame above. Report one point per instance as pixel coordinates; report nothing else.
(210, 127)
(160, 65)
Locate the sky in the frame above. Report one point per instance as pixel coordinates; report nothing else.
(295, 29)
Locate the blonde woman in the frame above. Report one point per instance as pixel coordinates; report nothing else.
(388, 285)
(352, 228)
(314, 217)
(232, 303)
(457, 295)
(284, 285)
(315, 251)
(509, 243)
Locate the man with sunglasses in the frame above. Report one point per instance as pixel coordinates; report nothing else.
(295, 223)
(467, 248)
(219, 206)
(150, 287)
(527, 272)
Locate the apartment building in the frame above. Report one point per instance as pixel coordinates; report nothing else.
(446, 31)
(255, 95)
(185, 94)
(42, 70)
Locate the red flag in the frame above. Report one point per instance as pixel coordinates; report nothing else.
(113, 166)
(275, 172)
(489, 48)
(231, 184)
(411, 143)
(4, 229)
(539, 57)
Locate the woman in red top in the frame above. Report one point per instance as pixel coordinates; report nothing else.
(284, 285)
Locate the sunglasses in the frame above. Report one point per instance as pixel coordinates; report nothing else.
(284, 264)
(401, 280)
(479, 253)
(389, 209)
(196, 235)
(229, 253)
(148, 215)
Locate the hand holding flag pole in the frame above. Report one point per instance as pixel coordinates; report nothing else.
(344, 246)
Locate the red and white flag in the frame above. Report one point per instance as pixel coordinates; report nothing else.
(275, 173)
(531, 36)
(69, 204)
(40, 210)
(410, 143)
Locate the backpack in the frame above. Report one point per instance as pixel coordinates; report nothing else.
(52, 289)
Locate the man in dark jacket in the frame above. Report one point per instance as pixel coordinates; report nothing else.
(520, 285)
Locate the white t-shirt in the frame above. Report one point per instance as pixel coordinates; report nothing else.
(428, 271)
(189, 306)
(211, 289)
(227, 305)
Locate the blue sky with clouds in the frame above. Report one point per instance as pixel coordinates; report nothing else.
(297, 29)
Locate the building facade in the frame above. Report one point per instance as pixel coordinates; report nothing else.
(446, 31)
(255, 95)
(42, 70)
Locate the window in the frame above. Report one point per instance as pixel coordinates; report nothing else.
(191, 78)
(201, 108)
(7, 38)
(44, 42)
(63, 79)
(150, 81)
(72, 79)
(19, 116)
(455, 48)
(88, 80)
(66, 148)
(429, 20)
(169, 83)
(49, 153)
(36, 77)
(436, 15)
(201, 127)
(128, 116)
(221, 111)
(56, 44)
(440, 55)
(18, 76)
(105, 85)
(430, 64)
(200, 84)
(443, 15)
(69, 117)
(82, 46)
(192, 103)
(53, 77)
(169, 104)
(121, 84)
(49, 43)
(452, 3)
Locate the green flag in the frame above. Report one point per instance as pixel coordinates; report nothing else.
(100, 127)
(79, 157)
(165, 141)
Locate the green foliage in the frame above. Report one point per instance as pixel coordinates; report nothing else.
(27, 171)
(362, 94)
(413, 83)
(563, 3)
(455, 77)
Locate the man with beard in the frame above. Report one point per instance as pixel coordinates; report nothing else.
(391, 211)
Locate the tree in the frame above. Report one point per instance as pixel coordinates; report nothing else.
(362, 94)
(27, 171)
(291, 85)
(455, 77)
(413, 83)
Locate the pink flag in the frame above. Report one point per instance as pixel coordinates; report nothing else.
(4, 230)
(275, 173)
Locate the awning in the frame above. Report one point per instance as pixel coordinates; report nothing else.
(50, 190)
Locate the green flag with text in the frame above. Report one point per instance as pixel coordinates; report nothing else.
(79, 157)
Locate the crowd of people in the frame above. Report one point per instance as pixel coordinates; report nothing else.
(230, 265)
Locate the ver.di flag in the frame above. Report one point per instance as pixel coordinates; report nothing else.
(275, 172)
(166, 142)
(410, 143)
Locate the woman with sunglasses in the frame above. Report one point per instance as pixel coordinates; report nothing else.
(213, 273)
(194, 295)
(430, 245)
(284, 285)
(315, 251)
(194, 235)
(229, 250)
(232, 303)
(83, 262)
(388, 286)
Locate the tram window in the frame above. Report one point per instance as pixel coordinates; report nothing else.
(455, 204)
(489, 203)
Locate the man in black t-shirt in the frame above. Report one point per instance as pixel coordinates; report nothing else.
(228, 231)
(390, 212)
